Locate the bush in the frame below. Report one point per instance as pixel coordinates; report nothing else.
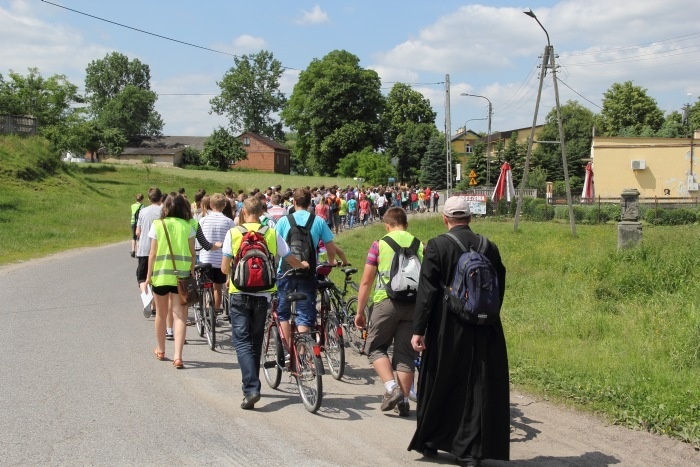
(542, 212)
(148, 160)
(680, 216)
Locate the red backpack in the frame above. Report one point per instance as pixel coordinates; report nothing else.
(254, 269)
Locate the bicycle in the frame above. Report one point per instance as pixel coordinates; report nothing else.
(347, 310)
(304, 357)
(329, 331)
(204, 313)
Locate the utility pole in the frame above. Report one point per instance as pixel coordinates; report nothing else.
(531, 139)
(547, 62)
(448, 136)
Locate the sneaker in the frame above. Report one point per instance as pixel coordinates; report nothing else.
(412, 395)
(133, 254)
(403, 409)
(169, 336)
(249, 401)
(390, 399)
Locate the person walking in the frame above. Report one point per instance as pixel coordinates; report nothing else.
(143, 246)
(463, 402)
(392, 320)
(135, 210)
(214, 227)
(172, 255)
(248, 310)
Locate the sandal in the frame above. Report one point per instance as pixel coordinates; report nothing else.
(177, 363)
(160, 354)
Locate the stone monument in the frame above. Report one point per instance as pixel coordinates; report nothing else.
(629, 229)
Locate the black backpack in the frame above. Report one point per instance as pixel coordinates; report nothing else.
(301, 245)
(474, 292)
(404, 273)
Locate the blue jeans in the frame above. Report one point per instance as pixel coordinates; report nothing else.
(351, 219)
(248, 314)
(306, 309)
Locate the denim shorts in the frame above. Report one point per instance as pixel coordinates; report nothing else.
(306, 309)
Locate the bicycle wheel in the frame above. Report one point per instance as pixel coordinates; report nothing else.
(308, 374)
(273, 357)
(225, 304)
(199, 316)
(335, 346)
(209, 318)
(353, 335)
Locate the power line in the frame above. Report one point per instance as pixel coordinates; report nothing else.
(579, 94)
(151, 33)
(630, 47)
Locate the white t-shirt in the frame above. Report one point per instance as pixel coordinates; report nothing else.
(146, 217)
(214, 227)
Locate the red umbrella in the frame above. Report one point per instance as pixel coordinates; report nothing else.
(504, 185)
(588, 194)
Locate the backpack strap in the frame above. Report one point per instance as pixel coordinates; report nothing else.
(481, 248)
(391, 242)
(242, 229)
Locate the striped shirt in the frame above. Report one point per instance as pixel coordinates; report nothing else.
(214, 226)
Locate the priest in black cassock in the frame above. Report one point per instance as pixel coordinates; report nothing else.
(463, 388)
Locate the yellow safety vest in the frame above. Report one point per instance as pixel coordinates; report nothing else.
(386, 256)
(179, 232)
(134, 207)
(237, 236)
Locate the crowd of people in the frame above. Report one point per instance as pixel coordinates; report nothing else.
(463, 390)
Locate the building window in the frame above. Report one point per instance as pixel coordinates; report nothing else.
(246, 141)
(468, 148)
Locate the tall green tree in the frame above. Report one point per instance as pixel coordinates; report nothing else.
(673, 126)
(409, 125)
(121, 101)
(49, 100)
(373, 167)
(626, 106)
(222, 149)
(514, 153)
(476, 161)
(335, 109)
(250, 95)
(433, 169)
(578, 124)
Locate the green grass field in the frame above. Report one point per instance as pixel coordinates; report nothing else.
(615, 333)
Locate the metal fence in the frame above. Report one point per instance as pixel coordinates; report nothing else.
(17, 125)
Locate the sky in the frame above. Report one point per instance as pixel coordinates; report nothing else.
(487, 49)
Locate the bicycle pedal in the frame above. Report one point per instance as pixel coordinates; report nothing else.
(269, 365)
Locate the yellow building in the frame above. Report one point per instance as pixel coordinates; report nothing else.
(657, 167)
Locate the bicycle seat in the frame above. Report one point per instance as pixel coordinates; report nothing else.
(295, 296)
(349, 271)
(202, 267)
(325, 284)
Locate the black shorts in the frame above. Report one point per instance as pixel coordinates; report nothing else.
(164, 289)
(133, 232)
(141, 269)
(217, 276)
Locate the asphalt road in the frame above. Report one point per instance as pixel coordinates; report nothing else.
(80, 386)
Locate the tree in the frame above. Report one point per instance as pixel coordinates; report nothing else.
(409, 125)
(673, 126)
(433, 169)
(514, 154)
(121, 101)
(250, 95)
(49, 100)
(335, 109)
(476, 161)
(222, 149)
(628, 106)
(578, 124)
(537, 178)
(375, 168)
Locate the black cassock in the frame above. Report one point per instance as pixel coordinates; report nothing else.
(463, 388)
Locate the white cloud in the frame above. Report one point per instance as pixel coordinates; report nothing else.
(314, 16)
(242, 45)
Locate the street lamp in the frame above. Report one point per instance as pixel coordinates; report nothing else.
(488, 137)
(531, 14)
(465, 131)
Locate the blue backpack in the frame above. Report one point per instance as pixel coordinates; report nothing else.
(474, 293)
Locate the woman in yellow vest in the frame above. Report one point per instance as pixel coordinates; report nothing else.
(163, 277)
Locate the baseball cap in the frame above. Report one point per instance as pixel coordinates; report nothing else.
(457, 207)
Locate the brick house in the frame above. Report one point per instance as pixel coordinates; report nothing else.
(264, 154)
